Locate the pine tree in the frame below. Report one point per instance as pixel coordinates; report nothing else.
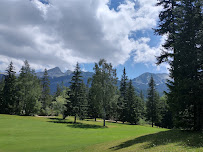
(59, 90)
(10, 99)
(133, 105)
(152, 106)
(83, 107)
(75, 95)
(46, 97)
(122, 102)
(183, 46)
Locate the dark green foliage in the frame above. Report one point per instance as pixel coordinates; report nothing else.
(45, 96)
(83, 107)
(184, 44)
(59, 89)
(152, 111)
(75, 93)
(143, 105)
(122, 102)
(103, 89)
(1, 94)
(165, 112)
(133, 105)
(9, 99)
(58, 105)
(29, 91)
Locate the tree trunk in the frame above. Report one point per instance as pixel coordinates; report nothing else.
(104, 122)
(95, 119)
(75, 119)
(64, 116)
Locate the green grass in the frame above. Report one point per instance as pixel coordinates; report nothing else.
(34, 134)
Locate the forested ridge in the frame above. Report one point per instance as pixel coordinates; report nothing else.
(181, 21)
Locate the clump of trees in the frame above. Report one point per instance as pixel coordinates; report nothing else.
(100, 98)
(181, 21)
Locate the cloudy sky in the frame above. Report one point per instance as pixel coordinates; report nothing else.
(50, 33)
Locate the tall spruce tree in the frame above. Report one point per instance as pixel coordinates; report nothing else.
(45, 97)
(83, 107)
(122, 102)
(152, 103)
(181, 20)
(133, 105)
(75, 92)
(10, 99)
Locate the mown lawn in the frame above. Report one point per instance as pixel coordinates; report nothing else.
(34, 134)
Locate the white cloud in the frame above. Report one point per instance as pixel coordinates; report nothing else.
(64, 32)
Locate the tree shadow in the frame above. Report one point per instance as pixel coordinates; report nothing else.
(182, 138)
(76, 125)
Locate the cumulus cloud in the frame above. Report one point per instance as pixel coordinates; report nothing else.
(61, 33)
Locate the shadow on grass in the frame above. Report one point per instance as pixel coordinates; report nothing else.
(76, 125)
(182, 138)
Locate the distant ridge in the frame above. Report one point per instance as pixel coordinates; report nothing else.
(140, 82)
(56, 76)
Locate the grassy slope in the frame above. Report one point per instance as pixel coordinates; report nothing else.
(33, 134)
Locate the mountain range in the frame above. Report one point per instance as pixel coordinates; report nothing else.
(56, 76)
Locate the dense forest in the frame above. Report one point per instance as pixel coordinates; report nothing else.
(181, 21)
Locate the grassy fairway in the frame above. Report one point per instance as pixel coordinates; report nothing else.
(33, 134)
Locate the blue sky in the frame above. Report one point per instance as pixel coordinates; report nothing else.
(58, 33)
(134, 69)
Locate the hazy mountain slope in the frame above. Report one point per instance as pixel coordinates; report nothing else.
(140, 83)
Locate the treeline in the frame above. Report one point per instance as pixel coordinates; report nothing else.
(100, 98)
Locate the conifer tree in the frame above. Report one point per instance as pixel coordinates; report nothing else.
(83, 107)
(46, 97)
(122, 102)
(152, 103)
(133, 105)
(181, 20)
(59, 90)
(10, 99)
(75, 91)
